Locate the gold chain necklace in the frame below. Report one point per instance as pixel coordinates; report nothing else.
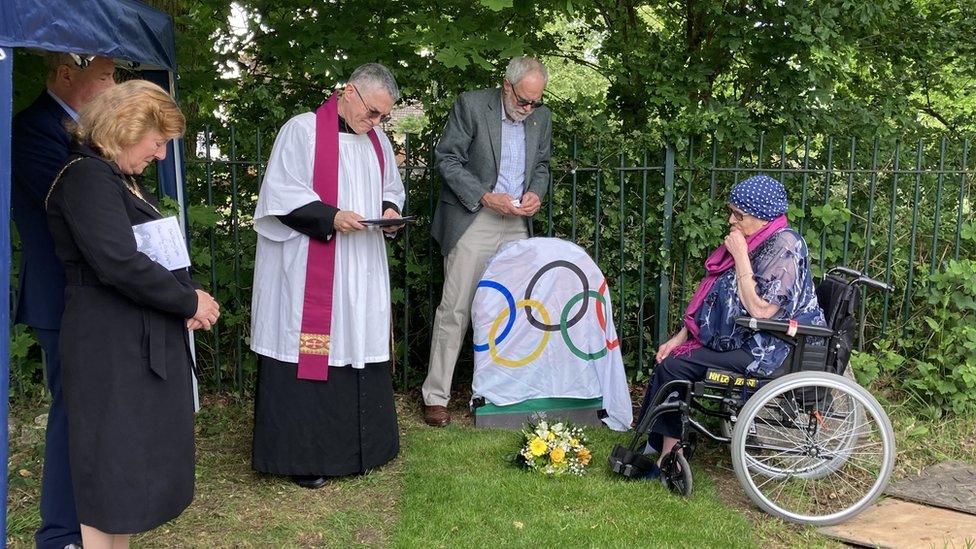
(133, 188)
(127, 180)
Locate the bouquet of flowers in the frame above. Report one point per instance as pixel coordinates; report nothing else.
(553, 448)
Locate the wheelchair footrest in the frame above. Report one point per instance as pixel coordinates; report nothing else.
(628, 463)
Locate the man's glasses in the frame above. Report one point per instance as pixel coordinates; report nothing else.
(739, 216)
(371, 112)
(524, 102)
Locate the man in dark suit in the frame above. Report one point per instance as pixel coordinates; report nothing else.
(494, 157)
(39, 149)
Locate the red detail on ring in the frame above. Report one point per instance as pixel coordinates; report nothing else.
(611, 345)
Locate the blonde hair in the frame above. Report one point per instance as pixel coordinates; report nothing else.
(122, 115)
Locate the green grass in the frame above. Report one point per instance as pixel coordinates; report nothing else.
(233, 506)
(460, 492)
(453, 487)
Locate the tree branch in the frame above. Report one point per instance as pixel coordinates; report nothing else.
(596, 68)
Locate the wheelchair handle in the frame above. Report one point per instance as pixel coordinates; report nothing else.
(847, 271)
(861, 278)
(876, 284)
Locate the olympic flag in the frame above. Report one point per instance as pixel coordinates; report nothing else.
(543, 328)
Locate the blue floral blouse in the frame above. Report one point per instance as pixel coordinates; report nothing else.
(782, 274)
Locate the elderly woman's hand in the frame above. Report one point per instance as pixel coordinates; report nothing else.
(664, 351)
(735, 242)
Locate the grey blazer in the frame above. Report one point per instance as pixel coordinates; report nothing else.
(468, 156)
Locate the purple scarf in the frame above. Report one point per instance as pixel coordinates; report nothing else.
(719, 261)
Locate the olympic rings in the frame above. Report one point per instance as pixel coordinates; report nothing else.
(535, 278)
(493, 351)
(511, 311)
(564, 327)
(565, 323)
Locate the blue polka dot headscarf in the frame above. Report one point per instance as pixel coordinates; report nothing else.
(760, 196)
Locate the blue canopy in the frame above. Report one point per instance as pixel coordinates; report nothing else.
(124, 30)
(120, 29)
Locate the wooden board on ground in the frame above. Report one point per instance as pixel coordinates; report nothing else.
(951, 484)
(895, 523)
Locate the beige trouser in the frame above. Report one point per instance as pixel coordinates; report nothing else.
(463, 268)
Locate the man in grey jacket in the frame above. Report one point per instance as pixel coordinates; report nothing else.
(494, 158)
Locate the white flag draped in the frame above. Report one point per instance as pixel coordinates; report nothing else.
(543, 328)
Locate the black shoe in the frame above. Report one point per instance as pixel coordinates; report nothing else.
(309, 481)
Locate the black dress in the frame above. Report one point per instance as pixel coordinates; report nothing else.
(344, 426)
(126, 367)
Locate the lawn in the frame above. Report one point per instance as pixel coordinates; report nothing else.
(450, 488)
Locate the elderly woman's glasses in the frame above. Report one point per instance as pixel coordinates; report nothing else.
(371, 112)
(739, 216)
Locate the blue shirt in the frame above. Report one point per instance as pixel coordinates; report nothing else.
(511, 168)
(71, 112)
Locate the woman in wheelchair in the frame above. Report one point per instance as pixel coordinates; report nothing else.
(760, 270)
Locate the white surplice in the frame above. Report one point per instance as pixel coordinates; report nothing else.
(361, 288)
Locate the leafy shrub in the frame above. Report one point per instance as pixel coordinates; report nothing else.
(934, 359)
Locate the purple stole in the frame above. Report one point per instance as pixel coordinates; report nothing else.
(314, 342)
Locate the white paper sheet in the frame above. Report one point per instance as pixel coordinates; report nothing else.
(162, 240)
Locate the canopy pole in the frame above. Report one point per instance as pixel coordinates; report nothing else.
(6, 113)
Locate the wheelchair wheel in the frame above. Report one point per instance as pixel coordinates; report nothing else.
(816, 467)
(676, 473)
(813, 448)
(842, 447)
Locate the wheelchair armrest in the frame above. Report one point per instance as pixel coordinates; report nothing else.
(766, 325)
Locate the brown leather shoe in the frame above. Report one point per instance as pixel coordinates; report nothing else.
(436, 416)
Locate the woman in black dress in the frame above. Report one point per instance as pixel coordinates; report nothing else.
(124, 342)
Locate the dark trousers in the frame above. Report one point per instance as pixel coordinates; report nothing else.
(59, 521)
(691, 367)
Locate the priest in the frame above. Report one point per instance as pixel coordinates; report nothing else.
(320, 310)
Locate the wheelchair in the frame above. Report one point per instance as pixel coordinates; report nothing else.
(808, 444)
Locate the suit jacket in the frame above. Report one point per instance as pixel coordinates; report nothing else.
(468, 157)
(39, 147)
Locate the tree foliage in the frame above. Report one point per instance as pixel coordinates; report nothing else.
(762, 81)
(661, 66)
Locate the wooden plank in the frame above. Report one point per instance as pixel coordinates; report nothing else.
(894, 523)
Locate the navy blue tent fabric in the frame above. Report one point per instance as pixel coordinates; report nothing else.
(6, 105)
(120, 29)
(166, 171)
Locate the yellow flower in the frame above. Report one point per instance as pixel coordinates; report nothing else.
(550, 436)
(537, 447)
(584, 455)
(574, 442)
(557, 455)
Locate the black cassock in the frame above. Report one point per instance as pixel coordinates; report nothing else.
(126, 369)
(346, 425)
